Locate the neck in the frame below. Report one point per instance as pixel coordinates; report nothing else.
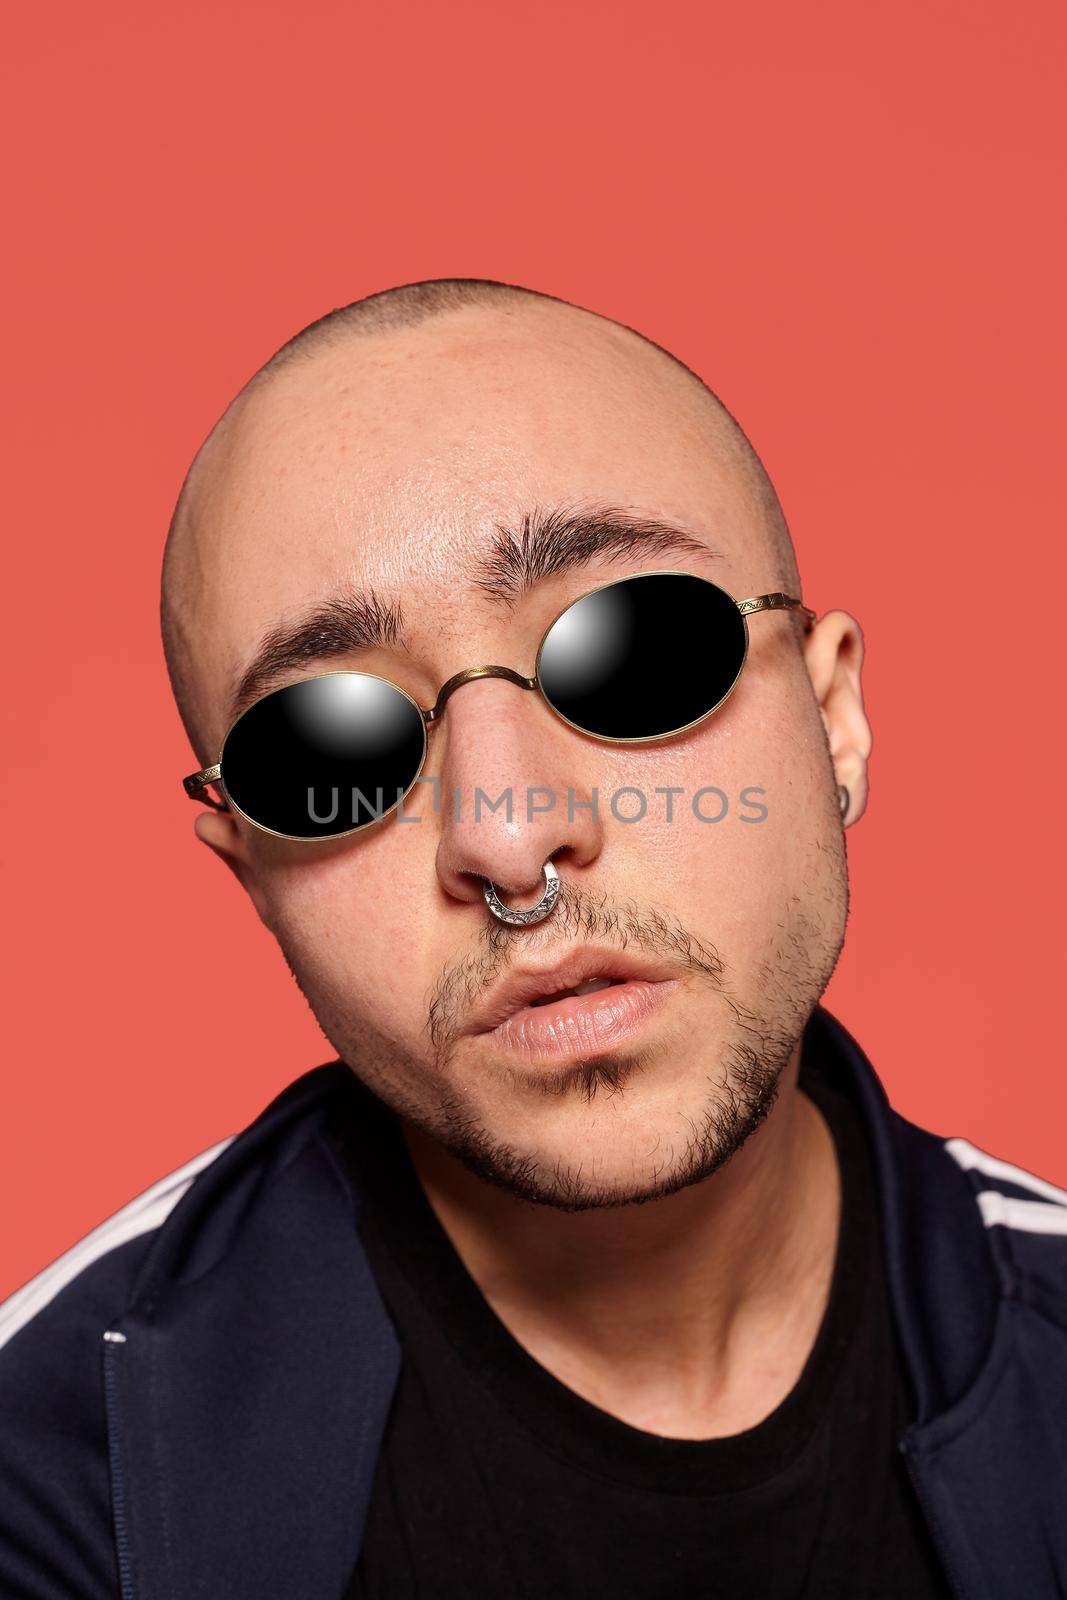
(690, 1316)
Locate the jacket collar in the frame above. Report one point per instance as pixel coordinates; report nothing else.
(944, 1279)
(247, 1403)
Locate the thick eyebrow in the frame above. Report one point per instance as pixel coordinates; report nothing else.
(552, 541)
(547, 542)
(345, 622)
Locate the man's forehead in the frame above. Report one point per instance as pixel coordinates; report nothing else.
(423, 441)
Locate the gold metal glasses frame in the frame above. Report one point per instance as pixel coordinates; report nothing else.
(197, 784)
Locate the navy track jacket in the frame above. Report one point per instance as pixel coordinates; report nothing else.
(192, 1398)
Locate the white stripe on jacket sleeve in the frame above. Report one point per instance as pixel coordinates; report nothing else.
(140, 1215)
(1046, 1215)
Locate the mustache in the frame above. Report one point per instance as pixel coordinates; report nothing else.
(599, 918)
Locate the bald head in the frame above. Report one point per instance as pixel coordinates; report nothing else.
(397, 404)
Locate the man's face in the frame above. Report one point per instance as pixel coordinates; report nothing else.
(389, 464)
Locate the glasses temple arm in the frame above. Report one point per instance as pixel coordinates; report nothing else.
(776, 602)
(196, 786)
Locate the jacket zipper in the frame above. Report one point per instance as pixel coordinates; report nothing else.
(932, 1521)
(113, 1343)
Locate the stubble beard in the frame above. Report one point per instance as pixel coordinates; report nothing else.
(757, 1039)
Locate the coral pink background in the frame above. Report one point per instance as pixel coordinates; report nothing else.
(849, 219)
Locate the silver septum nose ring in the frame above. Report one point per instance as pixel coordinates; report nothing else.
(536, 913)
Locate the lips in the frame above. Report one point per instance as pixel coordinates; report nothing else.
(590, 986)
(591, 1001)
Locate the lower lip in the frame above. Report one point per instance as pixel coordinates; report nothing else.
(582, 1025)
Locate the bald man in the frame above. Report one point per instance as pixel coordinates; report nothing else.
(596, 1264)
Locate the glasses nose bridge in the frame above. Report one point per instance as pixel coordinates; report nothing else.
(468, 675)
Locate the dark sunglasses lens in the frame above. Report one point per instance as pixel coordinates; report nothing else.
(643, 657)
(324, 756)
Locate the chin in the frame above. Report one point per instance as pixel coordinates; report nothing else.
(616, 1130)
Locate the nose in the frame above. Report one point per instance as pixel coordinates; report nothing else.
(513, 795)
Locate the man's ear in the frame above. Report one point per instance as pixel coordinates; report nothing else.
(833, 652)
(221, 832)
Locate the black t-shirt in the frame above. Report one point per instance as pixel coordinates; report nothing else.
(495, 1479)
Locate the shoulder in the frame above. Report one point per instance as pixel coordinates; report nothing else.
(967, 1203)
(94, 1278)
(1010, 1196)
(98, 1270)
(1025, 1214)
(55, 1495)
(946, 1195)
(55, 1517)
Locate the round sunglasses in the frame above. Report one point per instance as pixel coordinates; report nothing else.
(633, 661)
